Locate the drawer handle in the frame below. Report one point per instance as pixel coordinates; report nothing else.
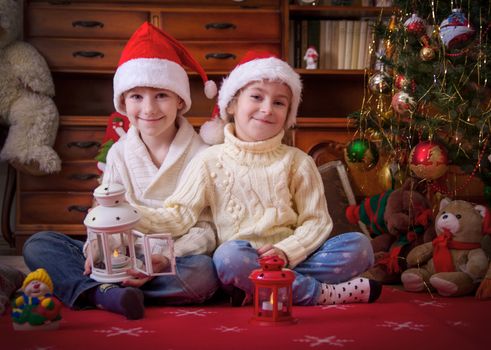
(80, 208)
(88, 24)
(220, 56)
(88, 54)
(220, 25)
(83, 177)
(83, 144)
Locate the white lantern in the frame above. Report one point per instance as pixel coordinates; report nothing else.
(114, 246)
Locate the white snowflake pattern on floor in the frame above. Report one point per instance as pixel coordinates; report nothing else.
(336, 307)
(225, 329)
(398, 326)
(115, 331)
(434, 303)
(457, 324)
(330, 340)
(196, 312)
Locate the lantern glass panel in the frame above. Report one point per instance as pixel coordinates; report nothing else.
(269, 297)
(156, 245)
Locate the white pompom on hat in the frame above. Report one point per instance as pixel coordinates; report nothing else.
(254, 66)
(152, 58)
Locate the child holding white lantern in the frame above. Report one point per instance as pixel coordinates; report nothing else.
(151, 87)
(266, 198)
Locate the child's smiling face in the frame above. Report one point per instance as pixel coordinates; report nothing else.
(260, 110)
(152, 111)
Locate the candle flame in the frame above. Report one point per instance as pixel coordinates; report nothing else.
(116, 253)
(271, 299)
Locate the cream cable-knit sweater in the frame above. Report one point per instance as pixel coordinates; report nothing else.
(129, 164)
(262, 192)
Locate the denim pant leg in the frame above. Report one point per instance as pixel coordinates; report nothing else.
(234, 260)
(337, 260)
(194, 282)
(63, 258)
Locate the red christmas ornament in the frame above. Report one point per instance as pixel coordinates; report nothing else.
(428, 160)
(403, 83)
(272, 293)
(403, 103)
(415, 25)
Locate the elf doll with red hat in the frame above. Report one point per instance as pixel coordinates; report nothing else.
(151, 89)
(266, 198)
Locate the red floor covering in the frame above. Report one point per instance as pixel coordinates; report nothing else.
(398, 320)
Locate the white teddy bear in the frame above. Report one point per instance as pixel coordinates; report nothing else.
(26, 89)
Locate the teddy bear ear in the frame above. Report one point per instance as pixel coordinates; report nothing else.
(481, 209)
(444, 202)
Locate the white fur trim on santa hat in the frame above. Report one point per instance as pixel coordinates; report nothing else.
(212, 131)
(270, 68)
(210, 89)
(151, 72)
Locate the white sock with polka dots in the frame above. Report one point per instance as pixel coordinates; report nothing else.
(358, 290)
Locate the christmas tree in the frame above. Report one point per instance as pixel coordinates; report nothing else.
(428, 100)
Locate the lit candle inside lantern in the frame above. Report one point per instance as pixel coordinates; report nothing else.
(268, 305)
(117, 260)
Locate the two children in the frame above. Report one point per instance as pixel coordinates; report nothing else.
(151, 87)
(266, 198)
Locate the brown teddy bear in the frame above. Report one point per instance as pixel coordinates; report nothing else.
(454, 262)
(398, 220)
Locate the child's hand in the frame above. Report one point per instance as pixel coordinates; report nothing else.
(87, 267)
(159, 263)
(269, 249)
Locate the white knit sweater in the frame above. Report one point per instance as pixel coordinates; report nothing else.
(129, 164)
(262, 192)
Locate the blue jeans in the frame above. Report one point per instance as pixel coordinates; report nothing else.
(337, 260)
(194, 282)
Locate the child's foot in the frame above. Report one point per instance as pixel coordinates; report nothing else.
(127, 301)
(358, 290)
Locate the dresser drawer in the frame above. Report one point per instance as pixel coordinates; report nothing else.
(70, 54)
(79, 143)
(222, 25)
(83, 23)
(225, 56)
(49, 208)
(79, 176)
(62, 54)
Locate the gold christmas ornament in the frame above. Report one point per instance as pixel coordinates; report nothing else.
(427, 54)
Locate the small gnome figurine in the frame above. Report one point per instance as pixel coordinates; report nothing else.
(311, 57)
(36, 308)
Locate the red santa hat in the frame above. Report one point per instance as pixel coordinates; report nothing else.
(153, 58)
(254, 66)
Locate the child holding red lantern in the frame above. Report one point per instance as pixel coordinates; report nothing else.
(266, 198)
(151, 87)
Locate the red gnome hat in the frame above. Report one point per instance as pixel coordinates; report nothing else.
(152, 58)
(254, 66)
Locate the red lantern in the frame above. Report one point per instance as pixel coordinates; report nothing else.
(272, 293)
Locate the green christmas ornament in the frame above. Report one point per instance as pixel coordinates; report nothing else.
(362, 151)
